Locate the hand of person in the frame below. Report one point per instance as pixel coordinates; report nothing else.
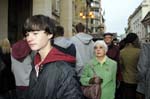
(91, 81)
(95, 80)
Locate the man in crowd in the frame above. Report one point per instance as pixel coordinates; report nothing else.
(113, 53)
(84, 47)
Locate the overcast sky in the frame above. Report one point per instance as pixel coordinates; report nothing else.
(117, 13)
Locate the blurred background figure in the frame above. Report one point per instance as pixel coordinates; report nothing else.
(143, 87)
(113, 50)
(21, 66)
(84, 47)
(129, 57)
(7, 80)
(122, 44)
(64, 44)
(113, 53)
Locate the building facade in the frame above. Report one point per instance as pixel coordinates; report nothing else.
(12, 16)
(134, 21)
(13, 13)
(89, 12)
(146, 23)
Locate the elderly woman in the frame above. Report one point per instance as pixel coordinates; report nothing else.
(104, 68)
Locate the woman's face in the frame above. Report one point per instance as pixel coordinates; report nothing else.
(38, 40)
(99, 51)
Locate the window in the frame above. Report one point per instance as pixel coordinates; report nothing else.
(148, 28)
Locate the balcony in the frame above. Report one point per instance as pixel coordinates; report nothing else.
(95, 5)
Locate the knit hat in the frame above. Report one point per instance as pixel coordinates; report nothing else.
(20, 50)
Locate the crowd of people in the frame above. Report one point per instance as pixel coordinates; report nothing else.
(47, 65)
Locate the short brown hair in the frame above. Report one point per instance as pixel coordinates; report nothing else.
(59, 31)
(39, 22)
(80, 27)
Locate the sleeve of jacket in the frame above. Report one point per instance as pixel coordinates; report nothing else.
(86, 75)
(114, 75)
(69, 87)
(79, 64)
(142, 63)
(92, 49)
(142, 68)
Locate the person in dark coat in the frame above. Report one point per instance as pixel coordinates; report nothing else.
(7, 81)
(51, 77)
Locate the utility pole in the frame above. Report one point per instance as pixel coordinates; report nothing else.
(88, 3)
(87, 19)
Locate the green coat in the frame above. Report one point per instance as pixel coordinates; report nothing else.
(107, 71)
